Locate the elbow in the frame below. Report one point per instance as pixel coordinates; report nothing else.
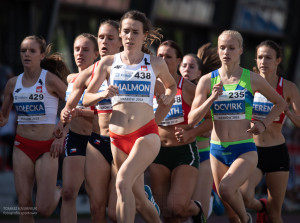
(191, 121)
(85, 102)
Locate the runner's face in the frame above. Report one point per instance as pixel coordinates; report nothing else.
(169, 55)
(84, 52)
(229, 49)
(109, 42)
(189, 68)
(30, 53)
(266, 60)
(132, 34)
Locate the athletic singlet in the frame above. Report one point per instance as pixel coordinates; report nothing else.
(69, 90)
(179, 111)
(262, 107)
(103, 106)
(135, 82)
(236, 101)
(34, 105)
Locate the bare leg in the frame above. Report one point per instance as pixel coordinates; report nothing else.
(97, 177)
(202, 191)
(48, 195)
(73, 176)
(131, 168)
(23, 168)
(248, 190)
(276, 184)
(232, 179)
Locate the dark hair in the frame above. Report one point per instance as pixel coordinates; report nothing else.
(54, 62)
(210, 58)
(273, 45)
(198, 60)
(91, 37)
(152, 33)
(175, 46)
(112, 23)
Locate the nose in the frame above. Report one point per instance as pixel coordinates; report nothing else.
(129, 35)
(105, 39)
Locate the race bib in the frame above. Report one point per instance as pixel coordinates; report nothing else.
(30, 106)
(230, 106)
(261, 107)
(175, 115)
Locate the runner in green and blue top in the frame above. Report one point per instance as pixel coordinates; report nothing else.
(228, 92)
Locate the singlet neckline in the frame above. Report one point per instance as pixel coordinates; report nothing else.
(232, 86)
(131, 65)
(34, 83)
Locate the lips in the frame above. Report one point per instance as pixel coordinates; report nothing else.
(186, 76)
(104, 49)
(80, 60)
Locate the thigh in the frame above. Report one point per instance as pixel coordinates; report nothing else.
(46, 169)
(23, 169)
(218, 169)
(141, 156)
(240, 170)
(97, 174)
(73, 172)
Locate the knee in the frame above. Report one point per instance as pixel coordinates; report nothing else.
(69, 194)
(43, 211)
(25, 202)
(225, 190)
(123, 186)
(97, 211)
(177, 209)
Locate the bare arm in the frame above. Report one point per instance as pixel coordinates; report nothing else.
(70, 111)
(92, 96)
(293, 99)
(161, 69)
(201, 104)
(7, 101)
(162, 109)
(258, 83)
(55, 86)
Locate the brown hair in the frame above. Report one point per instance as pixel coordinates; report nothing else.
(273, 45)
(91, 37)
(175, 46)
(152, 33)
(52, 62)
(210, 58)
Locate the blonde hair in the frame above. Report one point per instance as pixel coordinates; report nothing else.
(235, 34)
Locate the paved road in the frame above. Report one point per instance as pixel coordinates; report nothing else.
(287, 218)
